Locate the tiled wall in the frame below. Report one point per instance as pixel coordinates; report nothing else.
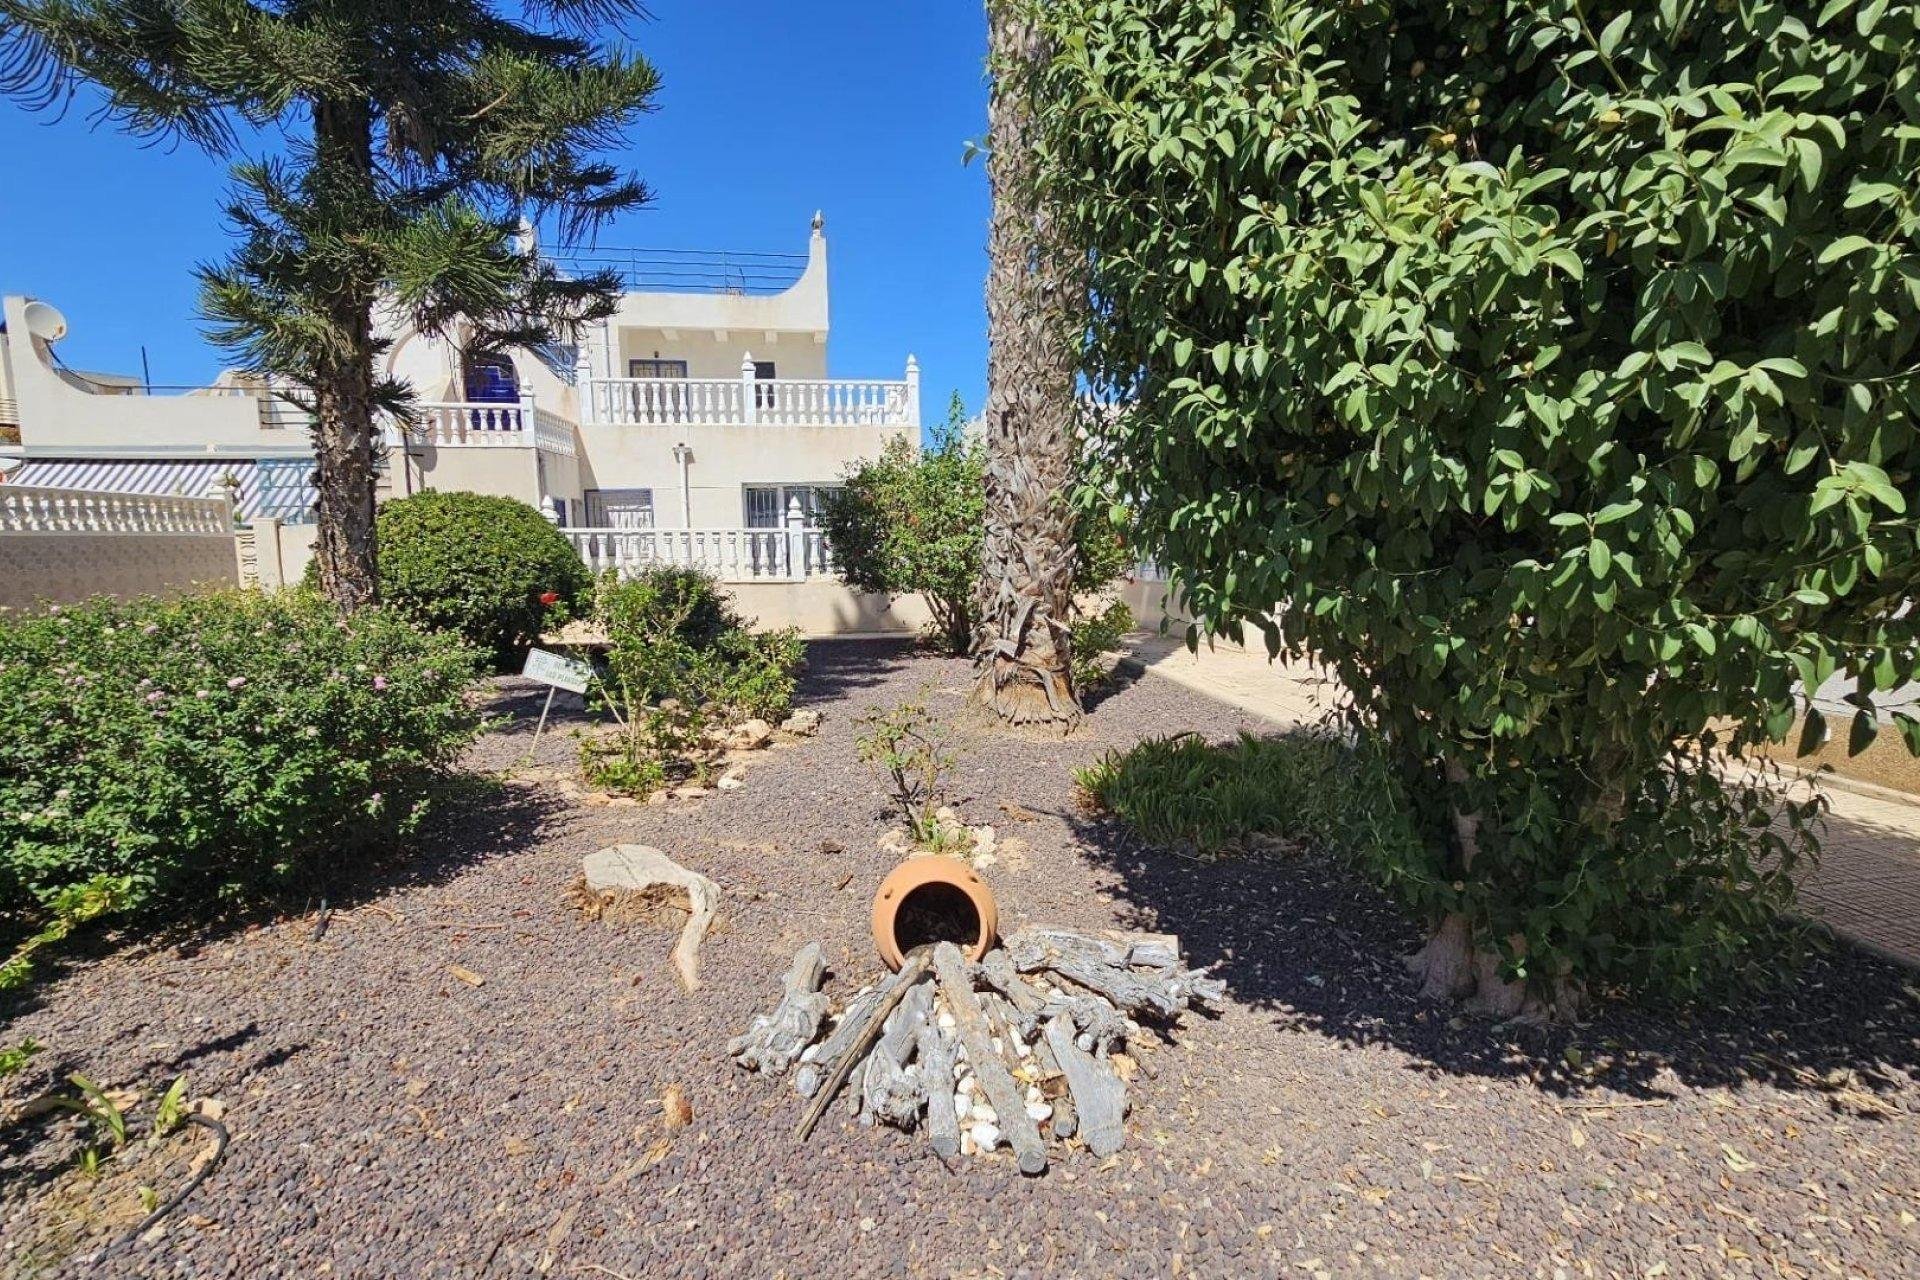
(63, 567)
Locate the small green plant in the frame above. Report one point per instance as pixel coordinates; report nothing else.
(909, 749)
(171, 1111)
(1094, 637)
(14, 1060)
(1208, 799)
(102, 1113)
(69, 908)
(679, 661)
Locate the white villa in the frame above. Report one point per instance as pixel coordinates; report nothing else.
(697, 425)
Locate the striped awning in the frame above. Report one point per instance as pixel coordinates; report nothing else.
(281, 488)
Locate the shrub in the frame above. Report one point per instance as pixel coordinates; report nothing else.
(679, 660)
(477, 565)
(1552, 368)
(909, 748)
(912, 522)
(212, 745)
(1094, 637)
(1209, 799)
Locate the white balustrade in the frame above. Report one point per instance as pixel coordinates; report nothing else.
(732, 555)
(451, 424)
(34, 509)
(803, 402)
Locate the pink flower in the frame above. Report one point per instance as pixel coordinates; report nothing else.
(237, 682)
(379, 684)
(155, 696)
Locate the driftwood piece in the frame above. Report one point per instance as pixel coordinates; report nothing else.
(634, 868)
(1099, 1095)
(1000, 974)
(889, 1092)
(1066, 1121)
(901, 1031)
(1092, 1017)
(776, 1039)
(1105, 966)
(806, 1081)
(862, 1038)
(938, 1052)
(1003, 1095)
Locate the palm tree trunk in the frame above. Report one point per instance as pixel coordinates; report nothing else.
(343, 384)
(1022, 649)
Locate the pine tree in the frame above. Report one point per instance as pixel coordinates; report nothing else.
(416, 139)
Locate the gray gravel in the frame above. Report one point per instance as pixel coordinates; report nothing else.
(392, 1120)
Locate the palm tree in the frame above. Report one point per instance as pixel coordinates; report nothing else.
(1023, 650)
(417, 138)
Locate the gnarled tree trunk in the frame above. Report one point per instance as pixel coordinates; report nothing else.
(1023, 646)
(343, 385)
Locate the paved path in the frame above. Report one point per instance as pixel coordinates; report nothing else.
(1868, 883)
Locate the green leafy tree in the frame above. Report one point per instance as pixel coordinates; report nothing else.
(1553, 366)
(416, 139)
(909, 522)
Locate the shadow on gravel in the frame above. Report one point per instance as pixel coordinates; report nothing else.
(843, 669)
(1308, 940)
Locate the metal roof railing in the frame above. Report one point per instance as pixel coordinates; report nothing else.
(691, 270)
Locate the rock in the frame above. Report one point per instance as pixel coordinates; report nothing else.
(981, 1113)
(896, 842)
(982, 861)
(624, 802)
(596, 798)
(675, 1110)
(968, 1085)
(962, 1103)
(631, 868)
(983, 840)
(690, 792)
(658, 797)
(751, 735)
(946, 1021)
(1039, 1112)
(732, 780)
(947, 816)
(803, 723)
(967, 1145)
(985, 1134)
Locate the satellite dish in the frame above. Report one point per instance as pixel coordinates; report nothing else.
(45, 322)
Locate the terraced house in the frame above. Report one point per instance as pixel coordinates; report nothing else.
(697, 425)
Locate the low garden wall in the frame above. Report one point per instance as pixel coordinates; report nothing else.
(62, 545)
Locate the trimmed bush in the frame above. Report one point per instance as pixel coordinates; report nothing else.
(215, 745)
(477, 565)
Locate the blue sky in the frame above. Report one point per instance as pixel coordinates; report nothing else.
(768, 110)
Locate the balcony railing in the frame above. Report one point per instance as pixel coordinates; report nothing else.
(28, 508)
(732, 555)
(749, 401)
(449, 424)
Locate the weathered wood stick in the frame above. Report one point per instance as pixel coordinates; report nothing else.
(806, 1081)
(1099, 1096)
(1065, 1121)
(775, 1039)
(937, 1054)
(862, 1039)
(1003, 1095)
(900, 1033)
(889, 1092)
(1087, 961)
(998, 970)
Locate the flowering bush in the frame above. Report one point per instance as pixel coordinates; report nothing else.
(213, 744)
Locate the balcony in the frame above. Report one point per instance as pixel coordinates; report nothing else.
(452, 424)
(795, 553)
(750, 401)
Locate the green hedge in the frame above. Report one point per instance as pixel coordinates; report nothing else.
(478, 565)
(213, 744)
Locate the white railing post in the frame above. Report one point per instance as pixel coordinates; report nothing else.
(526, 417)
(913, 391)
(749, 406)
(796, 539)
(583, 381)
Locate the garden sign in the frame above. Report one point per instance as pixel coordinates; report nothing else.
(556, 671)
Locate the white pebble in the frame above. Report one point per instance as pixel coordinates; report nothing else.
(1084, 1042)
(1034, 1094)
(962, 1103)
(981, 1113)
(946, 1022)
(811, 1052)
(1133, 1028)
(1039, 1112)
(959, 1070)
(997, 1046)
(1022, 1049)
(967, 1146)
(969, 1084)
(986, 1135)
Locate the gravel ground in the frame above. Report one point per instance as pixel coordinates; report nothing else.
(392, 1120)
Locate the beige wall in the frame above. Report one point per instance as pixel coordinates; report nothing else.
(826, 607)
(1154, 601)
(710, 355)
(63, 567)
(724, 460)
(281, 553)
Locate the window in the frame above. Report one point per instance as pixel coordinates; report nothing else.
(762, 372)
(620, 508)
(766, 504)
(656, 368)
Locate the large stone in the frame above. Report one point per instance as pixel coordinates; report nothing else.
(802, 723)
(634, 868)
(751, 735)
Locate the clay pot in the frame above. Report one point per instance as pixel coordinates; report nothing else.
(932, 886)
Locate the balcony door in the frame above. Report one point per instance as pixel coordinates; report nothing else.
(653, 397)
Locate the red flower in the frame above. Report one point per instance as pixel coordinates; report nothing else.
(549, 597)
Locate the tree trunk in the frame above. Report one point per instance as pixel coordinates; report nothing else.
(1022, 647)
(343, 387)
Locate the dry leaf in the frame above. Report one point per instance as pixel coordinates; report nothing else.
(675, 1109)
(1577, 1138)
(466, 975)
(517, 1146)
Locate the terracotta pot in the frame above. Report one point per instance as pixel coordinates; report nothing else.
(936, 879)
